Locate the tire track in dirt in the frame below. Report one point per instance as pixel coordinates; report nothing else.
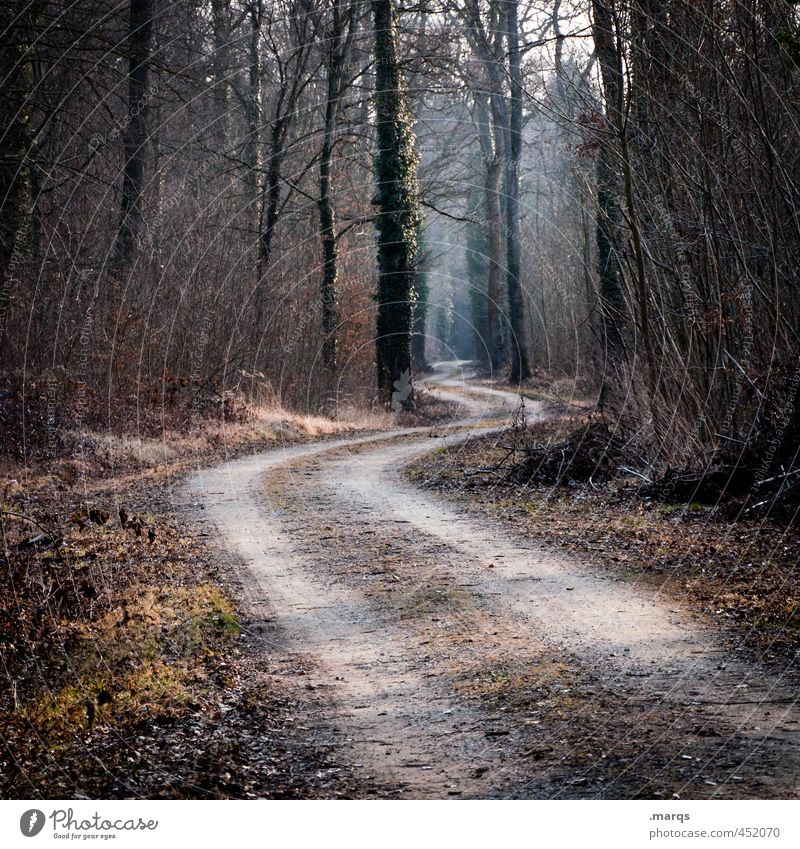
(382, 702)
(638, 639)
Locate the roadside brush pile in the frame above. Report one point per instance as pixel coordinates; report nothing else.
(588, 455)
(590, 452)
(562, 451)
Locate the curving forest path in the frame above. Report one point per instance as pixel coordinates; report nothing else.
(454, 659)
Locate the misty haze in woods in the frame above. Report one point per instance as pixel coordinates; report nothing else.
(310, 201)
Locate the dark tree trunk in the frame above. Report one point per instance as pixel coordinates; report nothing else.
(520, 369)
(608, 43)
(612, 299)
(492, 133)
(13, 69)
(18, 177)
(220, 11)
(140, 31)
(253, 111)
(398, 216)
(327, 227)
(612, 304)
(492, 145)
(270, 200)
(339, 47)
(294, 76)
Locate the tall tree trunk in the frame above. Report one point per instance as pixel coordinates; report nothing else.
(340, 39)
(270, 200)
(253, 115)
(494, 223)
(398, 215)
(612, 298)
(140, 31)
(492, 133)
(327, 227)
(476, 255)
(421, 296)
(520, 369)
(293, 76)
(612, 303)
(220, 11)
(18, 177)
(491, 137)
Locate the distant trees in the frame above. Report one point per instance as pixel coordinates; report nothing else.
(612, 304)
(520, 370)
(18, 158)
(493, 33)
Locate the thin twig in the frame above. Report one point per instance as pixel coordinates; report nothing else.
(27, 519)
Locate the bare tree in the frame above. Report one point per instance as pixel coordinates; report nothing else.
(520, 370)
(338, 37)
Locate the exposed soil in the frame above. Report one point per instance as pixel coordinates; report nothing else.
(741, 572)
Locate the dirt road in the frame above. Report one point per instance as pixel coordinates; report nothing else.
(455, 660)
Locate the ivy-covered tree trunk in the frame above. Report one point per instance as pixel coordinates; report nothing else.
(398, 216)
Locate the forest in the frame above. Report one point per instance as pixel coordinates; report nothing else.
(601, 189)
(559, 237)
